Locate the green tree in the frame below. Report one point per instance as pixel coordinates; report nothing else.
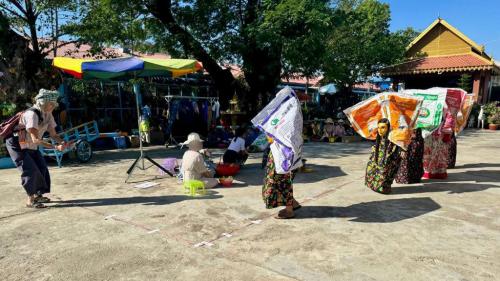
(264, 37)
(29, 31)
(106, 23)
(464, 82)
(362, 43)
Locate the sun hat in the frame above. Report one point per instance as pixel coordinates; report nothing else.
(193, 137)
(329, 120)
(47, 96)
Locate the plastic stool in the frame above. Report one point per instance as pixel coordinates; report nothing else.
(194, 187)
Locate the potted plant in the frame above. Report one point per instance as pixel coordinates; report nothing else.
(494, 120)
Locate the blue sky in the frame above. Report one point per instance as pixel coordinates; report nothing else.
(478, 19)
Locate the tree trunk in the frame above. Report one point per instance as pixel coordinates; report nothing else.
(261, 64)
(262, 69)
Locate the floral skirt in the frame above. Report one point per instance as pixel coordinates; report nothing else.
(452, 152)
(379, 178)
(411, 167)
(435, 158)
(278, 189)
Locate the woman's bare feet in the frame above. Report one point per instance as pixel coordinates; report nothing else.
(32, 203)
(286, 213)
(296, 205)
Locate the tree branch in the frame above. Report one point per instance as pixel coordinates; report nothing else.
(162, 10)
(18, 5)
(12, 12)
(251, 14)
(31, 21)
(20, 31)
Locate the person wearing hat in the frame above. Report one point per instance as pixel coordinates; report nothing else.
(328, 130)
(338, 130)
(314, 130)
(23, 147)
(193, 165)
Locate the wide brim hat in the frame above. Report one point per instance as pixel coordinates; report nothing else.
(193, 137)
(47, 95)
(329, 121)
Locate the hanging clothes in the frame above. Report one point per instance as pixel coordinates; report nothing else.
(195, 106)
(204, 114)
(216, 109)
(209, 116)
(172, 116)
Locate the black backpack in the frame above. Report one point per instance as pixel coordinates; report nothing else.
(9, 126)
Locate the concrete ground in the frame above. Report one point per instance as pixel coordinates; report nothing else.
(100, 228)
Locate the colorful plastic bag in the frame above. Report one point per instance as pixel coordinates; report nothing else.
(364, 116)
(440, 109)
(464, 113)
(454, 98)
(401, 110)
(282, 120)
(431, 113)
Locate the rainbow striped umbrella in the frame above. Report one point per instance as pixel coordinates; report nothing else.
(122, 68)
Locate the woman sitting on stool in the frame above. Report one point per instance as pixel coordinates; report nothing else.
(236, 152)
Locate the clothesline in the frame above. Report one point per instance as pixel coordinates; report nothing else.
(169, 97)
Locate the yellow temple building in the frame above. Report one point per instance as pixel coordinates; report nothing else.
(439, 56)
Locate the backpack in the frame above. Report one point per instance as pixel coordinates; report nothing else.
(9, 126)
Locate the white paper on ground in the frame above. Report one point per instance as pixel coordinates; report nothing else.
(203, 243)
(147, 184)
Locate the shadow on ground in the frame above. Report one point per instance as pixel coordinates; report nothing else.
(114, 156)
(478, 165)
(143, 200)
(385, 211)
(449, 187)
(477, 176)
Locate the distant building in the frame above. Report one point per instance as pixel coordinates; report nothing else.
(439, 56)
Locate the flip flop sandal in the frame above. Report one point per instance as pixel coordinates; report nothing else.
(42, 199)
(36, 205)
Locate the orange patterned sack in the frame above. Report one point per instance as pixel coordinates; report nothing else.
(463, 114)
(364, 117)
(401, 110)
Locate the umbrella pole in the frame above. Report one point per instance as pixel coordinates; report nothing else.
(142, 155)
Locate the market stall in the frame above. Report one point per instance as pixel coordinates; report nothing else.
(128, 69)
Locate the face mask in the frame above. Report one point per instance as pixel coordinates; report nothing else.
(382, 129)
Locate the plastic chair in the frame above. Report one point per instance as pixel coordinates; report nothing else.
(194, 187)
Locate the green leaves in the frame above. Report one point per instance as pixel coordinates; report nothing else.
(361, 44)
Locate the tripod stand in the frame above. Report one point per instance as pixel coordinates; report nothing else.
(140, 161)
